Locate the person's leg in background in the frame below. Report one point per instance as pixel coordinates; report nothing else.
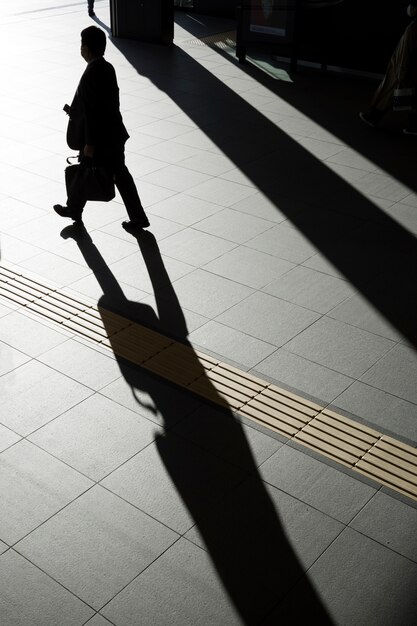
(91, 8)
(381, 101)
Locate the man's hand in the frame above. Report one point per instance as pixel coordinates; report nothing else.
(88, 151)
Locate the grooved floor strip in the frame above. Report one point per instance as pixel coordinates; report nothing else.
(219, 40)
(362, 449)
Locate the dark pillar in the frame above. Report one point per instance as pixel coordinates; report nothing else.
(144, 20)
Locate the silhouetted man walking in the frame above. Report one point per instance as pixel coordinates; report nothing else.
(96, 129)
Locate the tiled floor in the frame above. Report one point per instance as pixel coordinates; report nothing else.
(284, 244)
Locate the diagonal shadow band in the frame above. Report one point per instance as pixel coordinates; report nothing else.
(351, 235)
(227, 509)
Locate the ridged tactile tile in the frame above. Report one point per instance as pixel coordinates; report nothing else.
(334, 436)
(281, 410)
(392, 463)
(338, 437)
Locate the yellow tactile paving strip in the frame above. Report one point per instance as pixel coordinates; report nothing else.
(351, 444)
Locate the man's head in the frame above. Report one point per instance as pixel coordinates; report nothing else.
(93, 43)
(412, 9)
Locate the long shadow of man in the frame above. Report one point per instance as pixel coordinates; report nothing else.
(353, 236)
(233, 513)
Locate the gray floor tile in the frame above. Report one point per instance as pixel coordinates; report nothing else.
(179, 325)
(383, 186)
(16, 178)
(196, 138)
(7, 438)
(291, 528)
(173, 481)
(349, 174)
(370, 258)
(55, 268)
(151, 194)
(259, 205)
(41, 232)
(359, 582)
(410, 200)
(227, 437)
(238, 175)
(208, 163)
(98, 620)
(110, 246)
(280, 536)
(82, 363)
(352, 158)
(133, 271)
(341, 347)
(139, 142)
(176, 178)
(161, 227)
(389, 522)
(359, 312)
(385, 411)
(249, 267)
(308, 288)
(28, 335)
(302, 374)
(207, 294)
(322, 486)
(179, 589)
(285, 243)
(234, 226)
(171, 152)
(184, 209)
(6, 306)
(231, 344)
(405, 215)
(162, 129)
(396, 373)
(33, 487)
(13, 213)
(320, 149)
(222, 192)
(10, 358)
(96, 436)
(90, 287)
(194, 247)
(98, 215)
(31, 598)
(96, 545)
(150, 397)
(30, 398)
(268, 318)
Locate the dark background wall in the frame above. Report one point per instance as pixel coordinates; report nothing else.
(358, 34)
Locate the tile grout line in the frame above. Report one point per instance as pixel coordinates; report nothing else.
(351, 444)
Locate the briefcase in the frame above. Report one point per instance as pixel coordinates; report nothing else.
(89, 182)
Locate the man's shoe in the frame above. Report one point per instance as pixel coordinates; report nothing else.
(132, 226)
(369, 118)
(64, 211)
(91, 14)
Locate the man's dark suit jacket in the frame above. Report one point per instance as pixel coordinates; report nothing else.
(95, 117)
